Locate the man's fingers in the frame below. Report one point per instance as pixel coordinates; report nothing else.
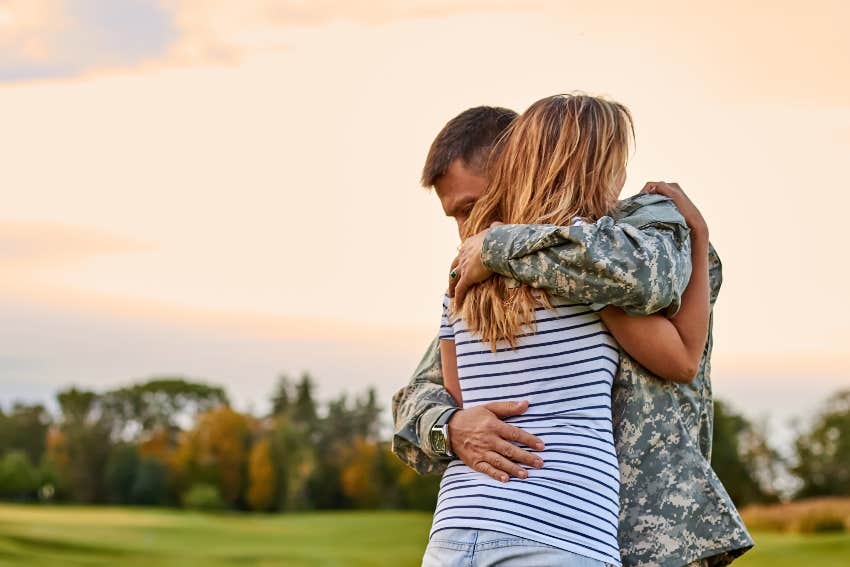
(491, 471)
(649, 187)
(500, 463)
(518, 455)
(496, 223)
(507, 409)
(513, 433)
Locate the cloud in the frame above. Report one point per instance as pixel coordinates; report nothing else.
(26, 245)
(225, 30)
(42, 39)
(28, 30)
(738, 51)
(65, 38)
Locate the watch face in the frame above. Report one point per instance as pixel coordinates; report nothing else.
(438, 441)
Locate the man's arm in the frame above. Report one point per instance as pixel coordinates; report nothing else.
(638, 260)
(715, 274)
(416, 408)
(478, 436)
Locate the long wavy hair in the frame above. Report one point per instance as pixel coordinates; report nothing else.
(564, 157)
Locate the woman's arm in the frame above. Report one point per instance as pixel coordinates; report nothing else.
(450, 380)
(669, 348)
(672, 348)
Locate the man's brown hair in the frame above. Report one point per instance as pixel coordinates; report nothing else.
(469, 136)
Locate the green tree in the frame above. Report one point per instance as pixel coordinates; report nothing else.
(823, 452)
(304, 410)
(83, 445)
(18, 478)
(120, 473)
(335, 434)
(367, 414)
(25, 429)
(742, 458)
(282, 396)
(51, 483)
(294, 458)
(159, 404)
(150, 484)
(346, 454)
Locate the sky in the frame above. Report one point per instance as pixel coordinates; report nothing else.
(228, 190)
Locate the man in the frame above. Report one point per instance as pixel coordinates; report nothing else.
(674, 511)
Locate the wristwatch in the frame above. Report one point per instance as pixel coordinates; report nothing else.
(439, 435)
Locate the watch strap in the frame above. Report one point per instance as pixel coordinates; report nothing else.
(444, 417)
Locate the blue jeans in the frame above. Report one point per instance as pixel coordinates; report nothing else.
(483, 548)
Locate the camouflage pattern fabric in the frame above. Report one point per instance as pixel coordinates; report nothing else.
(416, 408)
(673, 508)
(640, 263)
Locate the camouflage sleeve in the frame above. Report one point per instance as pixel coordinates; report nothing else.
(416, 408)
(639, 258)
(715, 273)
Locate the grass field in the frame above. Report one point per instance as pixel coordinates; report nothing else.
(32, 535)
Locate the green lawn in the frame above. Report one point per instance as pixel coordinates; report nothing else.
(34, 535)
(121, 536)
(791, 550)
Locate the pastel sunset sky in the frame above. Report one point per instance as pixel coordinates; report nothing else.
(228, 189)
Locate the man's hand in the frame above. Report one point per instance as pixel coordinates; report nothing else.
(693, 217)
(468, 267)
(480, 438)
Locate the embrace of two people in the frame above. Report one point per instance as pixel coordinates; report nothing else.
(567, 399)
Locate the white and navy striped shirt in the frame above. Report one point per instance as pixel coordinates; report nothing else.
(565, 369)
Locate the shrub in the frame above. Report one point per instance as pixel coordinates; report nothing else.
(203, 496)
(815, 515)
(820, 521)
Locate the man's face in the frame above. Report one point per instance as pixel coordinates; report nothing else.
(458, 189)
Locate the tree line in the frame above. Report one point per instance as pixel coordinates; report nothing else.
(753, 471)
(177, 442)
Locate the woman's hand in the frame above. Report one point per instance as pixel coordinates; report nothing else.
(467, 268)
(693, 217)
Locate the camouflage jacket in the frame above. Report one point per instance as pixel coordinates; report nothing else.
(673, 508)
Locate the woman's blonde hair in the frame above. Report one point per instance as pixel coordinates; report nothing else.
(564, 157)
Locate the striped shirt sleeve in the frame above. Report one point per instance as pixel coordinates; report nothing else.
(446, 328)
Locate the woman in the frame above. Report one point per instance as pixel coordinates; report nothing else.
(563, 161)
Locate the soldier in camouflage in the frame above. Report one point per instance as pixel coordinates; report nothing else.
(674, 510)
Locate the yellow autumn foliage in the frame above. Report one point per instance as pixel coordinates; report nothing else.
(261, 476)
